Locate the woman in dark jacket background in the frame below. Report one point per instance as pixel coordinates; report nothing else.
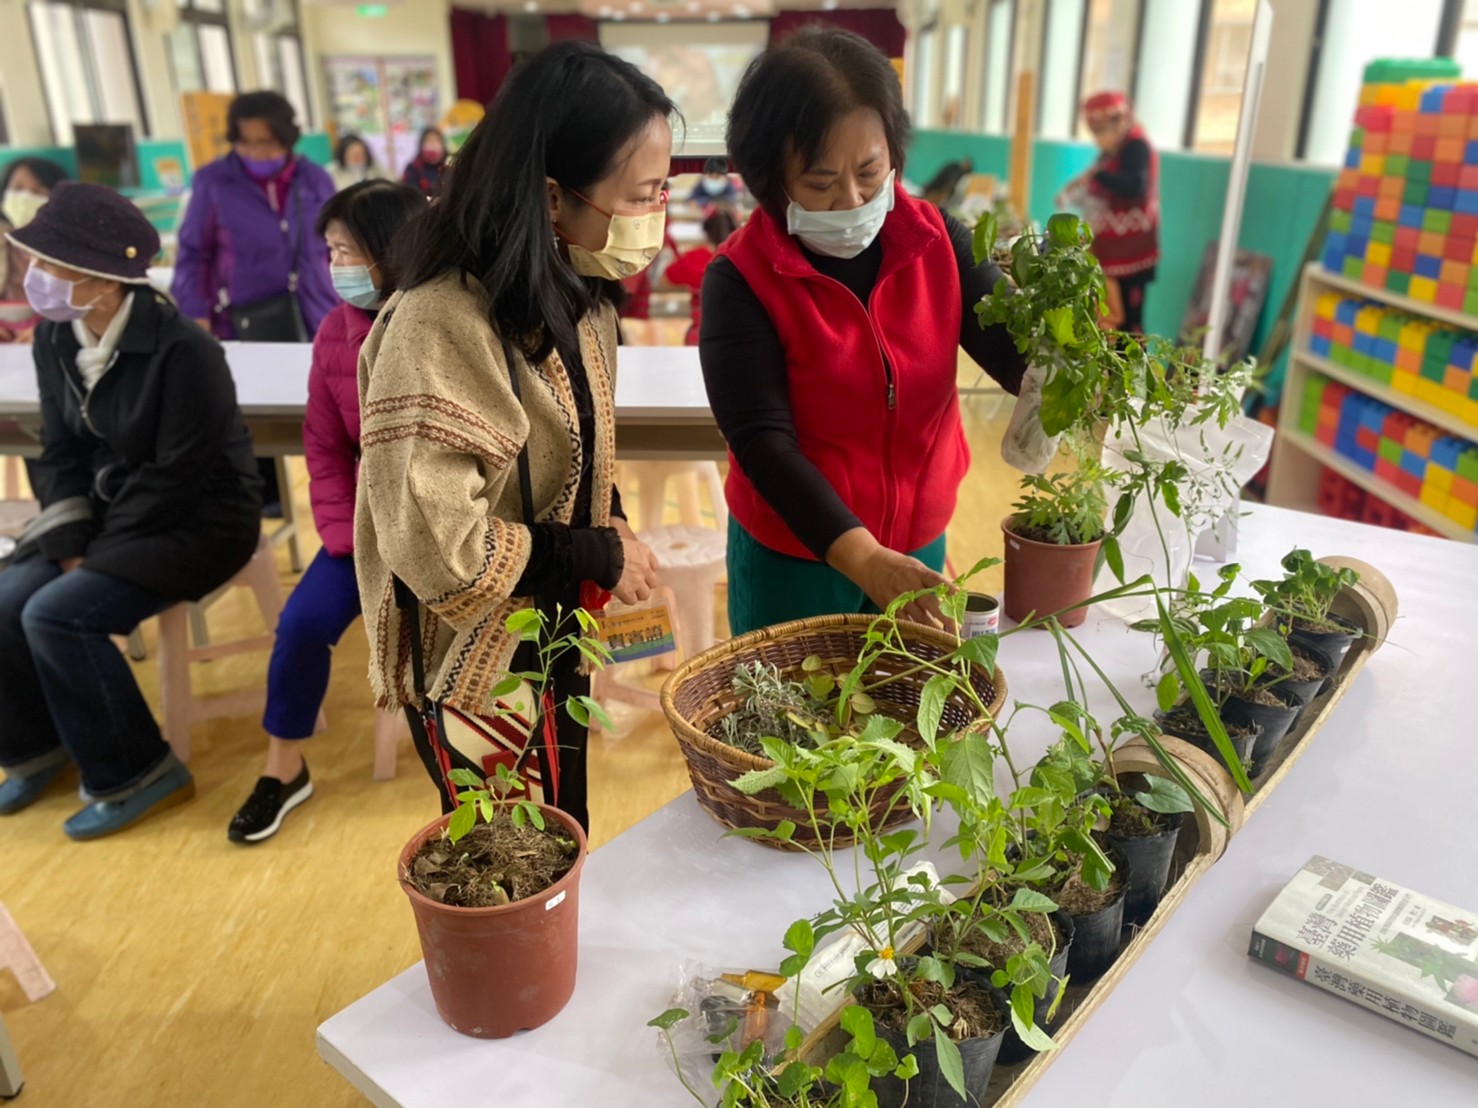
(149, 498)
(425, 170)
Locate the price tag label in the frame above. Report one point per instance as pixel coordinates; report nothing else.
(631, 634)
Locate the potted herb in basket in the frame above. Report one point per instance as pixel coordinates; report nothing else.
(1052, 543)
(495, 885)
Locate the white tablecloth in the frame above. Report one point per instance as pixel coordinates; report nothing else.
(1388, 785)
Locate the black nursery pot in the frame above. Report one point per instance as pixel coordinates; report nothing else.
(1274, 722)
(1170, 724)
(1308, 691)
(1012, 1048)
(1149, 858)
(930, 1089)
(1096, 934)
(1334, 643)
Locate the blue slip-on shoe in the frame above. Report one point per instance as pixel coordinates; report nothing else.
(18, 792)
(103, 817)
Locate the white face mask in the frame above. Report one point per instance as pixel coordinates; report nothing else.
(715, 186)
(841, 234)
(19, 207)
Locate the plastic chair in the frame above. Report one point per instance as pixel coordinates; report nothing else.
(181, 706)
(649, 481)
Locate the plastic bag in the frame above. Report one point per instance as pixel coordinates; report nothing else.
(1027, 446)
(723, 1014)
(1220, 461)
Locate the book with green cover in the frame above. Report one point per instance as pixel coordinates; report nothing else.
(1390, 949)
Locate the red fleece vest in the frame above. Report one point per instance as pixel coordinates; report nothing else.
(886, 434)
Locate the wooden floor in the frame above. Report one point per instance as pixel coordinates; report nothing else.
(192, 971)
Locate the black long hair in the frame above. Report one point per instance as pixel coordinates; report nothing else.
(566, 114)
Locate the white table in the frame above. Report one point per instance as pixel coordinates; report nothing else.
(661, 406)
(1386, 785)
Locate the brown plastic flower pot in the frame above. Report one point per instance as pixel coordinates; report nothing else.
(1043, 577)
(497, 971)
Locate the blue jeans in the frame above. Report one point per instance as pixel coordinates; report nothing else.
(64, 685)
(314, 618)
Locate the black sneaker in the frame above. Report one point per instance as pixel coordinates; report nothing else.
(261, 815)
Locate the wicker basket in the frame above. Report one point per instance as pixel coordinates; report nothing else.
(700, 693)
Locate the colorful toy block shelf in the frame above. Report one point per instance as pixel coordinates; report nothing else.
(1381, 398)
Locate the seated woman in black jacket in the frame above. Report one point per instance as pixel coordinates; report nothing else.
(149, 497)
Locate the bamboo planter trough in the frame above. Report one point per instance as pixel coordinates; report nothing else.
(1371, 605)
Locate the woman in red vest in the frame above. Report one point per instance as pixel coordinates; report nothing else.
(831, 325)
(1121, 203)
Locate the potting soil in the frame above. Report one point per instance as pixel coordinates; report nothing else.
(1040, 927)
(492, 864)
(1078, 898)
(975, 1013)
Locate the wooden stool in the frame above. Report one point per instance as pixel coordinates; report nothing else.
(390, 728)
(17, 956)
(649, 481)
(181, 706)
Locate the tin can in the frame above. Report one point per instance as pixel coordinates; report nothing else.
(982, 615)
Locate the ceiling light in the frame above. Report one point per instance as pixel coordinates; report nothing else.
(638, 7)
(663, 17)
(619, 17)
(693, 6)
(828, 5)
(531, 5)
(605, 11)
(714, 17)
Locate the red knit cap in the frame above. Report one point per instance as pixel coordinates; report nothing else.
(1106, 103)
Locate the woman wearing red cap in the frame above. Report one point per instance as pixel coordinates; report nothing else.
(149, 497)
(1121, 200)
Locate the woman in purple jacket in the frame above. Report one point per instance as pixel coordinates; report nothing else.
(357, 226)
(248, 239)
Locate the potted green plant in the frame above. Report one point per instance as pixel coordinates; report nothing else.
(1301, 601)
(495, 884)
(1052, 542)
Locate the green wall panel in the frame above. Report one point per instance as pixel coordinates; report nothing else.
(1281, 211)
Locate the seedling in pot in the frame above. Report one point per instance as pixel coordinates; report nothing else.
(1301, 600)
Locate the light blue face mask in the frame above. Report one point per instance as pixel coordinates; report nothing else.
(354, 284)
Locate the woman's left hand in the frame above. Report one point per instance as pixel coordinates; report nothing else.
(638, 554)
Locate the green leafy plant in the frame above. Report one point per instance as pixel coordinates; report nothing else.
(1102, 384)
(1306, 592)
(1066, 509)
(774, 707)
(497, 800)
(745, 1078)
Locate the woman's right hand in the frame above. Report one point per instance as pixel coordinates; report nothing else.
(884, 575)
(639, 569)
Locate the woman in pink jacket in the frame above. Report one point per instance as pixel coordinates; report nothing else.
(357, 225)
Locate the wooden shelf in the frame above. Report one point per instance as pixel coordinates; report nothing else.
(1395, 398)
(1394, 299)
(1373, 485)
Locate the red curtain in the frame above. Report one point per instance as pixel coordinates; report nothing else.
(572, 28)
(480, 56)
(879, 26)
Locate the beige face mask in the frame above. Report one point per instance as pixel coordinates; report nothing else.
(633, 241)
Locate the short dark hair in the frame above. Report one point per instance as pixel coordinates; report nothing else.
(373, 212)
(272, 108)
(43, 169)
(426, 133)
(714, 166)
(719, 224)
(792, 95)
(566, 114)
(342, 150)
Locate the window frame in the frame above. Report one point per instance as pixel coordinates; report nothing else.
(79, 9)
(194, 18)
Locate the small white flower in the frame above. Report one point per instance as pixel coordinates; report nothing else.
(883, 965)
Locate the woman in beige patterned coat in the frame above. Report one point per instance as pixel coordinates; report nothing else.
(555, 196)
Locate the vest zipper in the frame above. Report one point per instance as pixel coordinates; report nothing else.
(890, 501)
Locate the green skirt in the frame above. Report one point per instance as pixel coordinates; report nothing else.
(766, 588)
